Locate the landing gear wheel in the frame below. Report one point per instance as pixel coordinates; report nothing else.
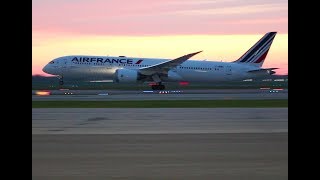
(158, 87)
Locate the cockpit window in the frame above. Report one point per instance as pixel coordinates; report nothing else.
(52, 62)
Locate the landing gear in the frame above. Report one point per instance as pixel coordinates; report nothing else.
(158, 87)
(61, 80)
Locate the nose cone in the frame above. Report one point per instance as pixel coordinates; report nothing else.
(45, 69)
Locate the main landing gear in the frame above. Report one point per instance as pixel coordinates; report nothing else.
(159, 86)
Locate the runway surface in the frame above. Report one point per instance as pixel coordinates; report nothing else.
(158, 120)
(99, 95)
(160, 156)
(163, 143)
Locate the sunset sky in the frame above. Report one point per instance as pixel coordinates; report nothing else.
(223, 29)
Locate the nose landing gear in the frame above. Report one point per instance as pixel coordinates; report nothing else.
(61, 80)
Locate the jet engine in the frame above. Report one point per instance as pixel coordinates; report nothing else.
(130, 76)
(173, 76)
(125, 76)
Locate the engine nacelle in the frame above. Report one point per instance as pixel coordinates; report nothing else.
(173, 76)
(126, 76)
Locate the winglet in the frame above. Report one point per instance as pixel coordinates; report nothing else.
(188, 56)
(181, 59)
(192, 54)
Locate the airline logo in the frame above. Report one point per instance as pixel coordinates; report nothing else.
(104, 60)
(260, 50)
(139, 61)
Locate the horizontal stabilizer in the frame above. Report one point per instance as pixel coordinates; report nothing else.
(268, 70)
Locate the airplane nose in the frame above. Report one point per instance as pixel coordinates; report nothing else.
(45, 69)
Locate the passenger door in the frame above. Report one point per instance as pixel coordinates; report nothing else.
(228, 70)
(63, 65)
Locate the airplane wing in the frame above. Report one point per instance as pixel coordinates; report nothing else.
(164, 67)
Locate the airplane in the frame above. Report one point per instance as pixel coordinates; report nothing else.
(122, 69)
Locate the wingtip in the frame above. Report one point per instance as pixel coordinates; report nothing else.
(192, 54)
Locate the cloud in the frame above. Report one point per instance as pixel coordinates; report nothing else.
(142, 17)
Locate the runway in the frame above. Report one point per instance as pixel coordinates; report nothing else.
(100, 95)
(163, 143)
(158, 120)
(160, 156)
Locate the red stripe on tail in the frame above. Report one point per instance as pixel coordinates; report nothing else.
(262, 57)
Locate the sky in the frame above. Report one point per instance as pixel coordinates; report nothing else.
(223, 29)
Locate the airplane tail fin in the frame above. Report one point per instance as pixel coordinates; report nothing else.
(256, 55)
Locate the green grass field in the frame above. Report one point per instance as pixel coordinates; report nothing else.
(161, 104)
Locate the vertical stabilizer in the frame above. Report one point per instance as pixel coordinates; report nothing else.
(256, 55)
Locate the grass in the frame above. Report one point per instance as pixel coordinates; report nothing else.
(161, 104)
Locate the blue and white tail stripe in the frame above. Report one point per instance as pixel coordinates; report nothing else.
(257, 53)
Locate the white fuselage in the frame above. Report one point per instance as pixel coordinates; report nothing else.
(95, 68)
